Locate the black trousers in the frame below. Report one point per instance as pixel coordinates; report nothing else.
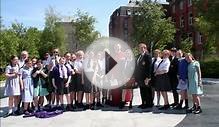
(146, 94)
(174, 83)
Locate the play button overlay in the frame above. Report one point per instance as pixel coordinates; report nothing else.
(109, 63)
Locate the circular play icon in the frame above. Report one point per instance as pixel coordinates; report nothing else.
(109, 63)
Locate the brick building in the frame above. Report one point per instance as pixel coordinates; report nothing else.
(183, 13)
(70, 40)
(121, 20)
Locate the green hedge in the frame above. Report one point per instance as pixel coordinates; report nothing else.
(2, 77)
(210, 69)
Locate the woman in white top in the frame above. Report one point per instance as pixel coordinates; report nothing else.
(155, 62)
(78, 67)
(162, 80)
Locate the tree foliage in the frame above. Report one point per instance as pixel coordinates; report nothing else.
(151, 25)
(84, 28)
(53, 35)
(207, 21)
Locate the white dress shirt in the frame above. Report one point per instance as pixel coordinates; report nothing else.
(164, 66)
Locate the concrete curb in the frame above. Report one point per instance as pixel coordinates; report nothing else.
(210, 81)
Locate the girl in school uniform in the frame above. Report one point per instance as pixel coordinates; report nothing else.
(60, 80)
(12, 86)
(78, 67)
(195, 83)
(162, 82)
(68, 90)
(39, 76)
(27, 85)
(183, 80)
(88, 68)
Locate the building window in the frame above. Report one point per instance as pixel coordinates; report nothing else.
(189, 2)
(173, 9)
(125, 23)
(181, 21)
(190, 18)
(190, 36)
(128, 12)
(125, 35)
(199, 38)
(181, 5)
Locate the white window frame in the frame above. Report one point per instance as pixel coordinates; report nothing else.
(182, 22)
(181, 4)
(174, 9)
(200, 37)
(189, 3)
(190, 18)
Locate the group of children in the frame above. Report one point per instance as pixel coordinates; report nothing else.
(58, 78)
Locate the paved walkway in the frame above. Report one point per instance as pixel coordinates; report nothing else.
(112, 116)
(106, 117)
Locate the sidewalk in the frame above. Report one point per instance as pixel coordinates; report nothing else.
(107, 117)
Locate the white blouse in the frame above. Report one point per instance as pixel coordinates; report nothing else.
(78, 65)
(164, 66)
(156, 63)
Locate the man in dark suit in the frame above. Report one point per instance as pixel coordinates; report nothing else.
(173, 71)
(142, 76)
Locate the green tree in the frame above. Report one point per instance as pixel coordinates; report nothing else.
(9, 43)
(84, 28)
(186, 45)
(151, 26)
(53, 34)
(207, 21)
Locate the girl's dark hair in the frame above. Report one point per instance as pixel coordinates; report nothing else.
(28, 60)
(39, 61)
(11, 58)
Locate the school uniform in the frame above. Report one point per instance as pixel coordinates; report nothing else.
(12, 85)
(40, 83)
(28, 92)
(88, 68)
(155, 63)
(183, 74)
(162, 82)
(143, 71)
(70, 68)
(79, 76)
(60, 74)
(194, 88)
(52, 61)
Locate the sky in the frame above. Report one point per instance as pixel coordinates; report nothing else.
(32, 12)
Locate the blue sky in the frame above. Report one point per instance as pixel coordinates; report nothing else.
(31, 12)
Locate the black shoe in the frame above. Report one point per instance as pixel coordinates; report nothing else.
(122, 105)
(130, 105)
(87, 106)
(178, 107)
(99, 105)
(92, 107)
(73, 106)
(185, 107)
(190, 110)
(17, 112)
(149, 105)
(173, 104)
(140, 106)
(69, 108)
(107, 102)
(197, 111)
(7, 115)
(165, 107)
(80, 105)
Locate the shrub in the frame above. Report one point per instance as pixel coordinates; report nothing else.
(210, 69)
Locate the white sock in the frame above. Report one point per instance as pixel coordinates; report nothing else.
(10, 110)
